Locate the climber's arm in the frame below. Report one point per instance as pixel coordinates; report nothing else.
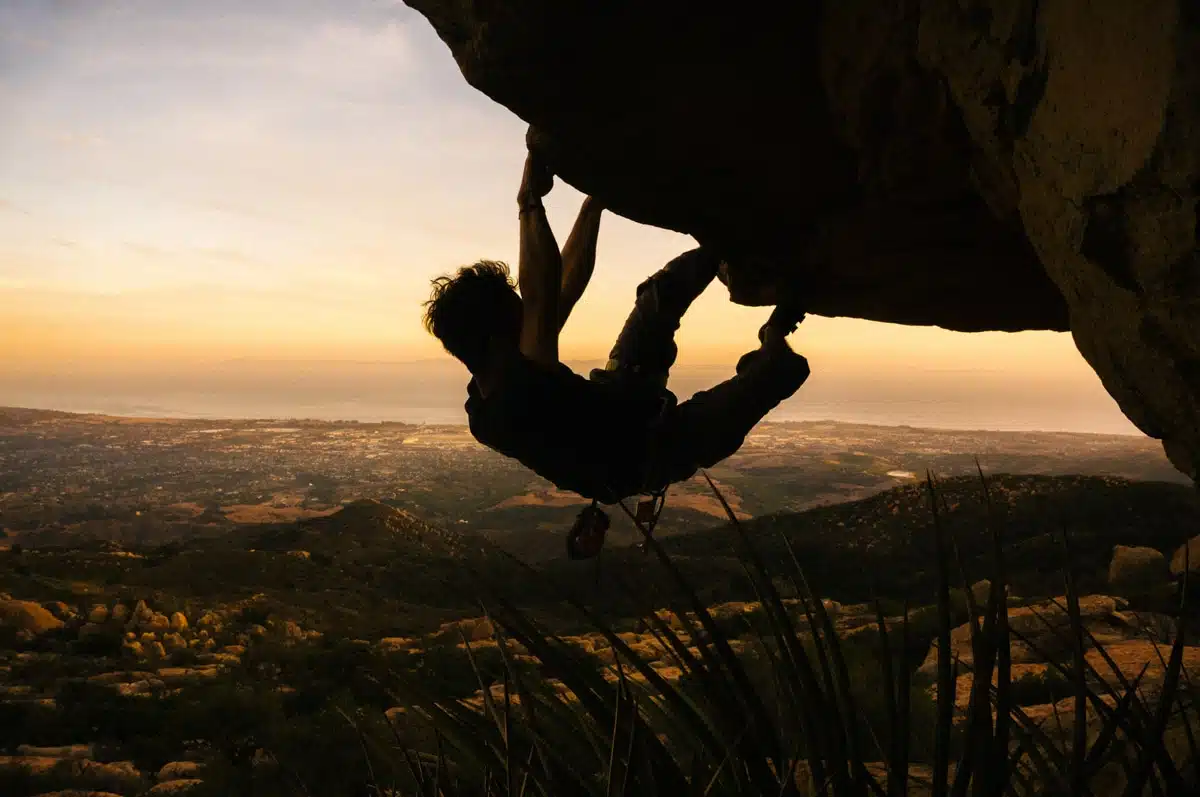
(540, 267)
(579, 257)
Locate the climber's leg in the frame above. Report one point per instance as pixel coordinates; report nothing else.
(645, 350)
(713, 424)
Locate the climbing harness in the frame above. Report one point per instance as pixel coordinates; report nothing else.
(650, 509)
(646, 516)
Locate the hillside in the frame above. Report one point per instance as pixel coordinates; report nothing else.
(373, 566)
(368, 568)
(886, 543)
(359, 527)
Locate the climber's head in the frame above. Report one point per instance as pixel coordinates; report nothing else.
(474, 312)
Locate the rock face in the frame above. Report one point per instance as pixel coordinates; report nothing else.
(983, 165)
(1186, 558)
(1136, 569)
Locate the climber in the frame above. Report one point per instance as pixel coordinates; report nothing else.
(621, 432)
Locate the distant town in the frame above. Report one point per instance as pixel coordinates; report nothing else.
(67, 477)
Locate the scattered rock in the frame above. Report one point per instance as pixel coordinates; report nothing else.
(1046, 627)
(1136, 569)
(178, 622)
(158, 623)
(1187, 556)
(118, 776)
(98, 614)
(179, 770)
(27, 616)
(981, 592)
(77, 773)
(1133, 655)
(120, 677)
(60, 610)
(140, 688)
(209, 620)
(174, 787)
(1148, 626)
(66, 751)
(16, 690)
(89, 629)
(175, 676)
(142, 614)
(394, 643)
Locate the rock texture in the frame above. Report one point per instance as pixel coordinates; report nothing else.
(27, 616)
(1043, 629)
(971, 164)
(1186, 558)
(1137, 569)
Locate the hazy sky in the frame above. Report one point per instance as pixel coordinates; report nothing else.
(184, 181)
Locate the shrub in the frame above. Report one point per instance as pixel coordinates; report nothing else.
(1035, 689)
(804, 702)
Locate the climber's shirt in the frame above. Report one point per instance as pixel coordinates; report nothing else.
(588, 437)
(609, 438)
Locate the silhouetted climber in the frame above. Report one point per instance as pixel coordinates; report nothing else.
(621, 432)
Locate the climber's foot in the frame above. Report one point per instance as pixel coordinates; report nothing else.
(586, 538)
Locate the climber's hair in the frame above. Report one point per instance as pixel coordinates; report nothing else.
(469, 309)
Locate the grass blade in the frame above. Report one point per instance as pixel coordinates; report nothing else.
(945, 679)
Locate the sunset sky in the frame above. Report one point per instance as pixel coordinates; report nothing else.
(199, 181)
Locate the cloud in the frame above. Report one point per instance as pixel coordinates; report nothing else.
(10, 207)
(77, 140)
(357, 51)
(233, 209)
(228, 255)
(250, 46)
(145, 250)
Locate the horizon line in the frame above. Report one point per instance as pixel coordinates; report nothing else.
(463, 425)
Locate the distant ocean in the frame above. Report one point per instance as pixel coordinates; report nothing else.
(433, 393)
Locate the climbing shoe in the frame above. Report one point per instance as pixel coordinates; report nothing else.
(586, 538)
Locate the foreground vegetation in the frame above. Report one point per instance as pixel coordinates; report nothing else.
(775, 695)
(800, 730)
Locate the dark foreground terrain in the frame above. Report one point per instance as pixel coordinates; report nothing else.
(251, 661)
(268, 607)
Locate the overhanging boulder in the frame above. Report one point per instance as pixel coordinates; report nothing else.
(979, 165)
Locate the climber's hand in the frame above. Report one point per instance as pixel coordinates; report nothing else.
(537, 180)
(783, 321)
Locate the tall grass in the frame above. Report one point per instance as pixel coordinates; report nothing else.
(788, 719)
